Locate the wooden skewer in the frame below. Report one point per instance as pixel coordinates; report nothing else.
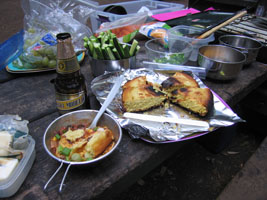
(206, 34)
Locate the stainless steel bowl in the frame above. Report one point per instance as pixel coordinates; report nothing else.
(99, 67)
(221, 62)
(249, 46)
(79, 117)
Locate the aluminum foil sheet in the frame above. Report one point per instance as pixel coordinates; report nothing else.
(161, 132)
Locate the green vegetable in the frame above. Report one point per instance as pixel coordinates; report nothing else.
(60, 149)
(125, 48)
(98, 51)
(110, 54)
(114, 41)
(66, 151)
(133, 47)
(106, 46)
(116, 54)
(85, 39)
(76, 157)
(175, 58)
(57, 136)
(95, 129)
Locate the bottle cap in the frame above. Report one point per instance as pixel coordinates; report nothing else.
(63, 36)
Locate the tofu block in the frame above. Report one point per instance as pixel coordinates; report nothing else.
(5, 141)
(7, 166)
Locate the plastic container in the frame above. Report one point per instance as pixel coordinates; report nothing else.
(131, 7)
(186, 33)
(11, 185)
(178, 54)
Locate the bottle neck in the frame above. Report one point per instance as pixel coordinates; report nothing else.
(65, 49)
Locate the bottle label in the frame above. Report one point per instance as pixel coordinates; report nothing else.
(66, 66)
(69, 101)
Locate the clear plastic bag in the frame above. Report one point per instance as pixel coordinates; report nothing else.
(16, 127)
(43, 20)
(125, 28)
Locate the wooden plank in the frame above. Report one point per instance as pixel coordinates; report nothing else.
(131, 160)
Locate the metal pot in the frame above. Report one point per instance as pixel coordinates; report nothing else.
(249, 46)
(79, 117)
(221, 62)
(99, 67)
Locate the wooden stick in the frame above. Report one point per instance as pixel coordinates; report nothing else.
(206, 34)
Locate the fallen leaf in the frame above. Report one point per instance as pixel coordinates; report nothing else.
(232, 152)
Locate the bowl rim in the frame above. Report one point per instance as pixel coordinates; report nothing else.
(168, 53)
(240, 36)
(82, 162)
(223, 62)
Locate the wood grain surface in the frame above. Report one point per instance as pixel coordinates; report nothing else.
(32, 97)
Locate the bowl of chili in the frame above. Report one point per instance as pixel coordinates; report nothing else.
(62, 136)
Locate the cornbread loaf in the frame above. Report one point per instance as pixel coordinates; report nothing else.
(197, 100)
(140, 95)
(177, 81)
(181, 89)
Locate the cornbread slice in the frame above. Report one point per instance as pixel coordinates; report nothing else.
(136, 99)
(197, 100)
(177, 81)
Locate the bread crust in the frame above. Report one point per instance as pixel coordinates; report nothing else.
(139, 81)
(179, 80)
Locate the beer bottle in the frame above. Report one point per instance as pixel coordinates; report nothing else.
(70, 86)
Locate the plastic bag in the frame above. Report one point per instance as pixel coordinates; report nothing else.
(43, 20)
(154, 30)
(125, 28)
(11, 49)
(16, 127)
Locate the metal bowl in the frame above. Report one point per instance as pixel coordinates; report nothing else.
(249, 46)
(99, 67)
(79, 117)
(221, 62)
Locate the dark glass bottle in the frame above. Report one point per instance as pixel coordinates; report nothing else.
(70, 85)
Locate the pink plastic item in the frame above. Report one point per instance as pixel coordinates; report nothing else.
(175, 14)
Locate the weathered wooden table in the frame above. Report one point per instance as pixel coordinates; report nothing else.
(31, 96)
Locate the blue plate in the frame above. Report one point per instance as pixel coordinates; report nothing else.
(12, 69)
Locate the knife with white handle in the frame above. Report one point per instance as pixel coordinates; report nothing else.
(154, 118)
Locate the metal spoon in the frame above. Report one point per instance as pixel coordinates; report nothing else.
(108, 100)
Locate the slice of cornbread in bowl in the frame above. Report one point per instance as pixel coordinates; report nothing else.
(197, 100)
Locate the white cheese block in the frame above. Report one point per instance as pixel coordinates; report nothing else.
(7, 165)
(5, 141)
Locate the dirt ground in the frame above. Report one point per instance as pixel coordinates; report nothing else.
(196, 172)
